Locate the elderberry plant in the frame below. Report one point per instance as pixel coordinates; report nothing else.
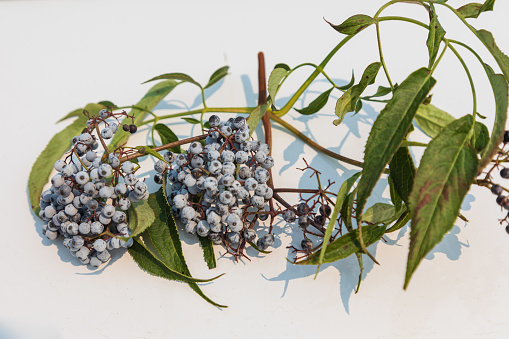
(221, 188)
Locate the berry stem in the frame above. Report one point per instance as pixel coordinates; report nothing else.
(98, 131)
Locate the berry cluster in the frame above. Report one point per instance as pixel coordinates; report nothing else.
(219, 189)
(87, 200)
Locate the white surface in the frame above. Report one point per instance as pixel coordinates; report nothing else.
(57, 56)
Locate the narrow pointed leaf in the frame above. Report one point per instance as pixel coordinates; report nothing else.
(150, 100)
(353, 24)
(167, 136)
(141, 216)
(275, 78)
(380, 92)
(389, 129)
(316, 104)
(349, 84)
(346, 245)
(208, 252)
(57, 146)
(501, 59)
(447, 169)
(396, 199)
(400, 223)
(164, 235)
(402, 172)
(500, 91)
(174, 76)
(473, 10)
(148, 151)
(75, 113)
(431, 119)
(150, 264)
(340, 199)
(349, 100)
(379, 213)
(255, 116)
(435, 35)
(217, 76)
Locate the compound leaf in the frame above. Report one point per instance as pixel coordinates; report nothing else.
(447, 169)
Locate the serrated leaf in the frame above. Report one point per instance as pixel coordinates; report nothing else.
(447, 169)
(275, 78)
(501, 59)
(255, 116)
(141, 216)
(347, 245)
(340, 199)
(435, 35)
(500, 91)
(348, 101)
(150, 264)
(379, 213)
(149, 101)
(402, 172)
(431, 119)
(174, 76)
(192, 121)
(316, 104)
(57, 146)
(353, 24)
(208, 252)
(217, 75)
(167, 136)
(389, 129)
(400, 223)
(163, 234)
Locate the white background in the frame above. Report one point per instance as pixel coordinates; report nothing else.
(57, 56)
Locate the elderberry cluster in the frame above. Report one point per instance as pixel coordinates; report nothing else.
(89, 195)
(218, 189)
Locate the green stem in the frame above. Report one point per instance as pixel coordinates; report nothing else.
(402, 18)
(380, 53)
(286, 108)
(204, 108)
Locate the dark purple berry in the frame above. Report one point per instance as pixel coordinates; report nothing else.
(133, 129)
(263, 217)
(507, 228)
(506, 137)
(496, 189)
(303, 208)
(325, 210)
(306, 244)
(303, 221)
(500, 199)
(125, 128)
(158, 178)
(319, 220)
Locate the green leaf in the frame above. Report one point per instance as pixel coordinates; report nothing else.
(431, 119)
(57, 146)
(316, 104)
(148, 151)
(150, 264)
(379, 213)
(167, 136)
(482, 137)
(348, 85)
(282, 65)
(447, 169)
(164, 235)
(174, 76)
(396, 199)
(346, 245)
(217, 75)
(141, 216)
(348, 101)
(346, 210)
(149, 101)
(389, 129)
(381, 91)
(253, 245)
(107, 103)
(353, 24)
(501, 59)
(400, 223)
(473, 10)
(275, 78)
(402, 172)
(340, 199)
(499, 85)
(75, 113)
(208, 252)
(435, 35)
(192, 121)
(255, 116)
